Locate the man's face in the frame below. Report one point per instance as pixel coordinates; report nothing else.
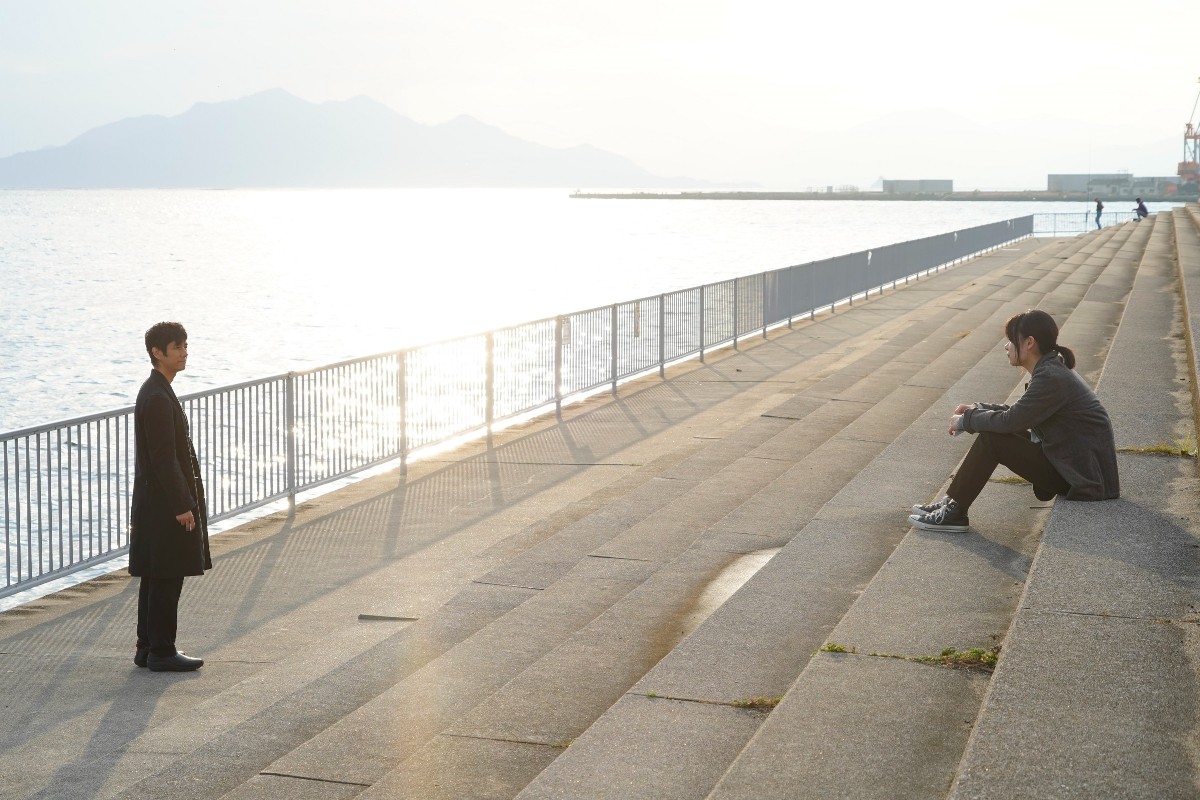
(174, 359)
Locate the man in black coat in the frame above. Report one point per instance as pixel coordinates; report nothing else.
(168, 528)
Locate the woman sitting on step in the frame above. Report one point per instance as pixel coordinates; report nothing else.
(1057, 436)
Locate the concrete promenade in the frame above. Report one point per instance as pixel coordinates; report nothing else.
(638, 600)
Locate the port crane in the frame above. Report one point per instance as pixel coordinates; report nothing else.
(1189, 168)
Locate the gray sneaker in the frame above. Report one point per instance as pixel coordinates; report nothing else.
(947, 519)
(930, 507)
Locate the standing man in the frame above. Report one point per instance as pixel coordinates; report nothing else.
(1099, 208)
(168, 528)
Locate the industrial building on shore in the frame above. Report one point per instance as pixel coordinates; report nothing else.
(1118, 184)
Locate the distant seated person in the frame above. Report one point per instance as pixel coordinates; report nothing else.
(1141, 209)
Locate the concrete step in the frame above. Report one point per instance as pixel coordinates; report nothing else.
(1187, 259)
(1095, 693)
(880, 726)
(532, 710)
(308, 619)
(333, 737)
(297, 591)
(674, 708)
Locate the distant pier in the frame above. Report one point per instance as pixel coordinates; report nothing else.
(1019, 196)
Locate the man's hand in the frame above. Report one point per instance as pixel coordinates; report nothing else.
(187, 520)
(959, 409)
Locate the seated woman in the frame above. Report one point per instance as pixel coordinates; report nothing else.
(1057, 436)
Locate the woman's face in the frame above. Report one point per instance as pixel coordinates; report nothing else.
(1013, 352)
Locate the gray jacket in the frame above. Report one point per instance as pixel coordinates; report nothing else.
(1060, 410)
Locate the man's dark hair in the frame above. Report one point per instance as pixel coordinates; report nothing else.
(162, 334)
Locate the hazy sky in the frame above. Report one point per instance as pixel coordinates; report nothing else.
(782, 93)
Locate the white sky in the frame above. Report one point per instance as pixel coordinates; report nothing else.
(779, 93)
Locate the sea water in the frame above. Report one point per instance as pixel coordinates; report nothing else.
(268, 281)
(271, 281)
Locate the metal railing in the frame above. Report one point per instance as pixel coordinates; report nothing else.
(1072, 223)
(66, 486)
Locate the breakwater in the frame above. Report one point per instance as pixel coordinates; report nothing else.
(979, 196)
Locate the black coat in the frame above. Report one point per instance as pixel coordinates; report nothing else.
(166, 483)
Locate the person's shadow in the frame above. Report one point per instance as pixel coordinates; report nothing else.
(39, 713)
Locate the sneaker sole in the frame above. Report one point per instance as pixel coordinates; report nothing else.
(929, 526)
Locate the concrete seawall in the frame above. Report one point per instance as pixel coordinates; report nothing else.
(634, 601)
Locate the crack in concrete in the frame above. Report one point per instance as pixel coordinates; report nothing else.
(510, 585)
(1104, 615)
(621, 558)
(727, 703)
(316, 780)
(556, 746)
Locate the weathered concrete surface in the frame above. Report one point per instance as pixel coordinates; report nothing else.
(765, 634)
(1097, 692)
(447, 634)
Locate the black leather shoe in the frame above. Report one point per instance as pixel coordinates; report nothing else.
(139, 656)
(176, 663)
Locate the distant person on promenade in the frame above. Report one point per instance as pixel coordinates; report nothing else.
(168, 528)
(1099, 209)
(1141, 210)
(1057, 436)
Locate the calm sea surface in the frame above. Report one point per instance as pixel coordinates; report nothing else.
(268, 281)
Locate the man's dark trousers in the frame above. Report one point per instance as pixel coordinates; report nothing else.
(158, 614)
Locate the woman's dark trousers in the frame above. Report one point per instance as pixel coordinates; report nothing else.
(158, 614)
(1015, 451)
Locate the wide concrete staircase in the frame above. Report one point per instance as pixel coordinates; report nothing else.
(633, 602)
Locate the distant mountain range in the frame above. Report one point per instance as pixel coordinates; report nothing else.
(274, 139)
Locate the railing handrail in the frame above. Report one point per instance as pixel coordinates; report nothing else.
(1082, 221)
(268, 438)
(437, 342)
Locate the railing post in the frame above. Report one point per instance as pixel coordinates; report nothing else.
(701, 323)
(402, 406)
(735, 314)
(812, 293)
(762, 312)
(489, 412)
(558, 366)
(289, 400)
(791, 298)
(662, 336)
(614, 350)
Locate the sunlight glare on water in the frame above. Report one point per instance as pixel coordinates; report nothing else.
(268, 281)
